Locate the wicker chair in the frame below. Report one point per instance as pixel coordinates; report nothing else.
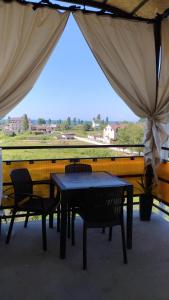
(75, 198)
(102, 208)
(25, 200)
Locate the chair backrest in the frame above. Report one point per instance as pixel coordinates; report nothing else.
(75, 168)
(22, 183)
(104, 203)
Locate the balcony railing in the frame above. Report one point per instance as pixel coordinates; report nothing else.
(130, 166)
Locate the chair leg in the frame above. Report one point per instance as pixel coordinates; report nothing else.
(58, 219)
(73, 226)
(44, 241)
(103, 229)
(68, 222)
(51, 220)
(84, 247)
(10, 227)
(0, 224)
(123, 242)
(26, 220)
(110, 233)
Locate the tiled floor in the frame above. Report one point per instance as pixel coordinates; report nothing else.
(26, 272)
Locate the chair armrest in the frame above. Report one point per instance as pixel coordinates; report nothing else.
(33, 197)
(30, 195)
(37, 182)
(36, 197)
(9, 196)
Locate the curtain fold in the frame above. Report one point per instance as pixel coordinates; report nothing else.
(125, 50)
(1, 180)
(163, 86)
(27, 38)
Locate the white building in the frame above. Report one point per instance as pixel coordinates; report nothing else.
(15, 125)
(95, 124)
(68, 136)
(110, 133)
(43, 129)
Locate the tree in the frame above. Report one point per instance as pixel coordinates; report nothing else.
(107, 120)
(68, 121)
(74, 121)
(59, 121)
(98, 117)
(131, 134)
(49, 121)
(41, 121)
(142, 120)
(87, 126)
(65, 125)
(25, 123)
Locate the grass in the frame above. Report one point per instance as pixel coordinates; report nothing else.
(28, 139)
(55, 153)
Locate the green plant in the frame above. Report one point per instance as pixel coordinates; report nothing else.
(144, 187)
(146, 198)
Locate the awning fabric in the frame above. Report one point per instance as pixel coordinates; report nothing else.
(27, 40)
(125, 50)
(149, 9)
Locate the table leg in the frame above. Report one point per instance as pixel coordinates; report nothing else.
(51, 220)
(129, 216)
(52, 189)
(0, 224)
(51, 195)
(63, 229)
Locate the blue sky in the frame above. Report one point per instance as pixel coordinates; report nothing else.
(72, 84)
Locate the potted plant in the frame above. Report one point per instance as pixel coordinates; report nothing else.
(146, 199)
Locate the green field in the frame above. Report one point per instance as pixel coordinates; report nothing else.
(28, 139)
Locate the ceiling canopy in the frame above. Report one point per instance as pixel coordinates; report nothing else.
(137, 9)
(141, 8)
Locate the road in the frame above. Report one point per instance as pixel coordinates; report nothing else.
(86, 140)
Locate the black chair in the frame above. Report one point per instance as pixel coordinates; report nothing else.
(75, 197)
(102, 208)
(77, 168)
(26, 201)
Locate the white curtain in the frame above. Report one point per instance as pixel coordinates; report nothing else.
(125, 51)
(1, 180)
(27, 38)
(163, 87)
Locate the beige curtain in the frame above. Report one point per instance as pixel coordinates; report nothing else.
(162, 104)
(163, 88)
(27, 38)
(1, 181)
(125, 51)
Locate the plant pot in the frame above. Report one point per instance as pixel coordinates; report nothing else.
(146, 202)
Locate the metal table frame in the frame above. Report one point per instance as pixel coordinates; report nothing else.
(60, 180)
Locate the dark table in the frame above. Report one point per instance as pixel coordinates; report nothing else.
(66, 183)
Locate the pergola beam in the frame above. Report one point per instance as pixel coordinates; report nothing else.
(164, 15)
(103, 8)
(91, 3)
(139, 6)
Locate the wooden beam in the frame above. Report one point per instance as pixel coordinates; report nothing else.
(139, 6)
(92, 3)
(104, 1)
(102, 7)
(164, 15)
